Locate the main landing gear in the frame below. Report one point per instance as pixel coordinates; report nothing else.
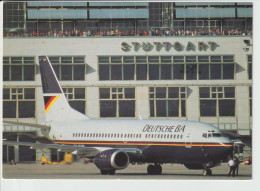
(207, 172)
(105, 172)
(155, 169)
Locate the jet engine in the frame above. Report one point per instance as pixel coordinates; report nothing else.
(112, 159)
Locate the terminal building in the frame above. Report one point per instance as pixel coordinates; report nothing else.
(138, 60)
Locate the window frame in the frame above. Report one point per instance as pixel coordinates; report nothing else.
(17, 95)
(115, 94)
(218, 90)
(73, 65)
(8, 62)
(180, 99)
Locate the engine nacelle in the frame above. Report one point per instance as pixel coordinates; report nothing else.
(111, 159)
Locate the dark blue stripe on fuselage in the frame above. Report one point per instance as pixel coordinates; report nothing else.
(169, 154)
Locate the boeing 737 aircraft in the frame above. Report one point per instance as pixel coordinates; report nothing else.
(114, 143)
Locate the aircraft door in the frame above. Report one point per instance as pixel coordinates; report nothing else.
(188, 142)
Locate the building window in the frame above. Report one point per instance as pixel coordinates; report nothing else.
(217, 101)
(166, 67)
(18, 69)
(69, 67)
(167, 101)
(18, 102)
(250, 100)
(76, 98)
(117, 102)
(249, 62)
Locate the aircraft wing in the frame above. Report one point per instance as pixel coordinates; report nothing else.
(77, 150)
(28, 124)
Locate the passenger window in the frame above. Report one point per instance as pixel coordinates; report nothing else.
(168, 136)
(209, 135)
(96, 134)
(114, 135)
(121, 135)
(105, 135)
(108, 135)
(90, 135)
(146, 136)
(85, 135)
(181, 137)
(152, 136)
(174, 136)
(177, 136)
(93, 134)
(165, 136)
(81, 134)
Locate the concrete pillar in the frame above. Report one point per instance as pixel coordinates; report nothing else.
(242, 109)
(192, 105)
(16, 151)
(93, 102)
(142, 102)
(7, 154)
(241, 67)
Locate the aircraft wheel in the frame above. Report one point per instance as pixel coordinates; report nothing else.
(151, 169)
(158, 169)
(104, 172)
(207, 172)
(111, 172)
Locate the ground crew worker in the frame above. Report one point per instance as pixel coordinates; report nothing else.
(44, 159)
(237, 162)
(231, 165)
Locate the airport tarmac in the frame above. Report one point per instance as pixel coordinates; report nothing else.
(89, 171)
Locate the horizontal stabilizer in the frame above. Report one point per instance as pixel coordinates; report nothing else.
(28, 124)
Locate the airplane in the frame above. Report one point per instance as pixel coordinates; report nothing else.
(112, 144)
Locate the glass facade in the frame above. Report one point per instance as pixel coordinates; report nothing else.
(217, 101)
(117, 102)
(19, 68)
(130, 18)
(69, 67)
(19, 102)
(76, 98)
(167, 101)
(166, 67)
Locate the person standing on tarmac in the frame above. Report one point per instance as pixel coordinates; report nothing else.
(237, 162)
(231, 165)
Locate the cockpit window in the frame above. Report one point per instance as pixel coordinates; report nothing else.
(205, 135)
(216, 134)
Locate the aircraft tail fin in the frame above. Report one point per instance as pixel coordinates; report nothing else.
(57, 107)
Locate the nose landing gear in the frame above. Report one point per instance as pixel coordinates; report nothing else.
(207, 172)
(155, 169)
